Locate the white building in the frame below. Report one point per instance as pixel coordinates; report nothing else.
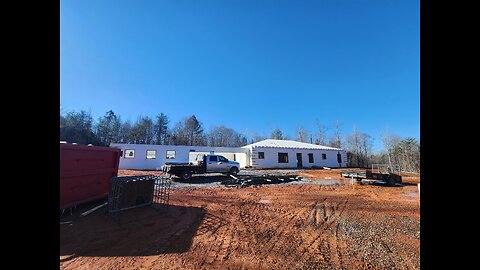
(260, 155)
(293, 154)
(152, 157)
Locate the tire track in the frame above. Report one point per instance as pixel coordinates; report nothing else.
(278, 242)
(322, 242)
(212, 250)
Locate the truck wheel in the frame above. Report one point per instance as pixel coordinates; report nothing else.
(186, 175)
(233, 171)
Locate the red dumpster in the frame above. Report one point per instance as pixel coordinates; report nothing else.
(85, 173)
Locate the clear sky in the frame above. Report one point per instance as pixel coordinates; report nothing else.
(250, 65)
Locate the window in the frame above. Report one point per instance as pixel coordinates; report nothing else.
(282, 157)
(213, 158)
(234, 157)
(121, 153)
(170, 154)
(310, 158)
(151, 154)
(339, 158)
(220, 158)
(324, 156)
(261, 155)
(129, 153)
(192, 150)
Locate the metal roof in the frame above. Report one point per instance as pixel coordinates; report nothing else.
(289, 144)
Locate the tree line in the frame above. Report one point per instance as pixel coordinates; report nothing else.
(81, 128)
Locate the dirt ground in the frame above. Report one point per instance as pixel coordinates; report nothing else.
(259, 227)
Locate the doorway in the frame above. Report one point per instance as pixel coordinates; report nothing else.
(299, 160)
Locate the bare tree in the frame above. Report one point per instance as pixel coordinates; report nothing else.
(336, 139)
(402, 151)
(366, 145)
(301, 134)
(406, 153)
(225, 137)
(320, 137)
(389, 143)
(255, 137)
(359, 146)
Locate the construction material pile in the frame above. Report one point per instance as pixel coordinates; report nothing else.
(265, 179)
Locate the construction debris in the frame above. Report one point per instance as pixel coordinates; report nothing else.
(249, 180)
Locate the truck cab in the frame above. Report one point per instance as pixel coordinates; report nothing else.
(220, 164)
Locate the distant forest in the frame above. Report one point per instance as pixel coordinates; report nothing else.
(80, 127)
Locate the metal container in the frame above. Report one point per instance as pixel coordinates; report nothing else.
(85, 173)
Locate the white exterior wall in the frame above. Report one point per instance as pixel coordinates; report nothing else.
(271, 158)
(182, 155)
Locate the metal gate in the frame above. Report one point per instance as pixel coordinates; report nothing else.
(128, 192)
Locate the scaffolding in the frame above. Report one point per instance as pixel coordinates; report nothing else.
(128, 192)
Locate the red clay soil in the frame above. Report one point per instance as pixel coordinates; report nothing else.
(258, 227)
(138, 172)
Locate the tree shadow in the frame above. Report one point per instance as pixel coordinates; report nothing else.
(138, 232)
(211, 223)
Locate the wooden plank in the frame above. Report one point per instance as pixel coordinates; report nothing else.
(93, 209)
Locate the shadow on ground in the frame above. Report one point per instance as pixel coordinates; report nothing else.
(138, 232)
(408, 184)
(201, 179)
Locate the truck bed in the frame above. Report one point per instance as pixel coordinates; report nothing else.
(178, 168)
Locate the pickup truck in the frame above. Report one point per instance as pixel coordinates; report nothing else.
(203, 164)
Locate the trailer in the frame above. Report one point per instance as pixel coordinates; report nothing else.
(389, 179)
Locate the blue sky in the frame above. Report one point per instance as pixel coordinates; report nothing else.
(250, 65)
